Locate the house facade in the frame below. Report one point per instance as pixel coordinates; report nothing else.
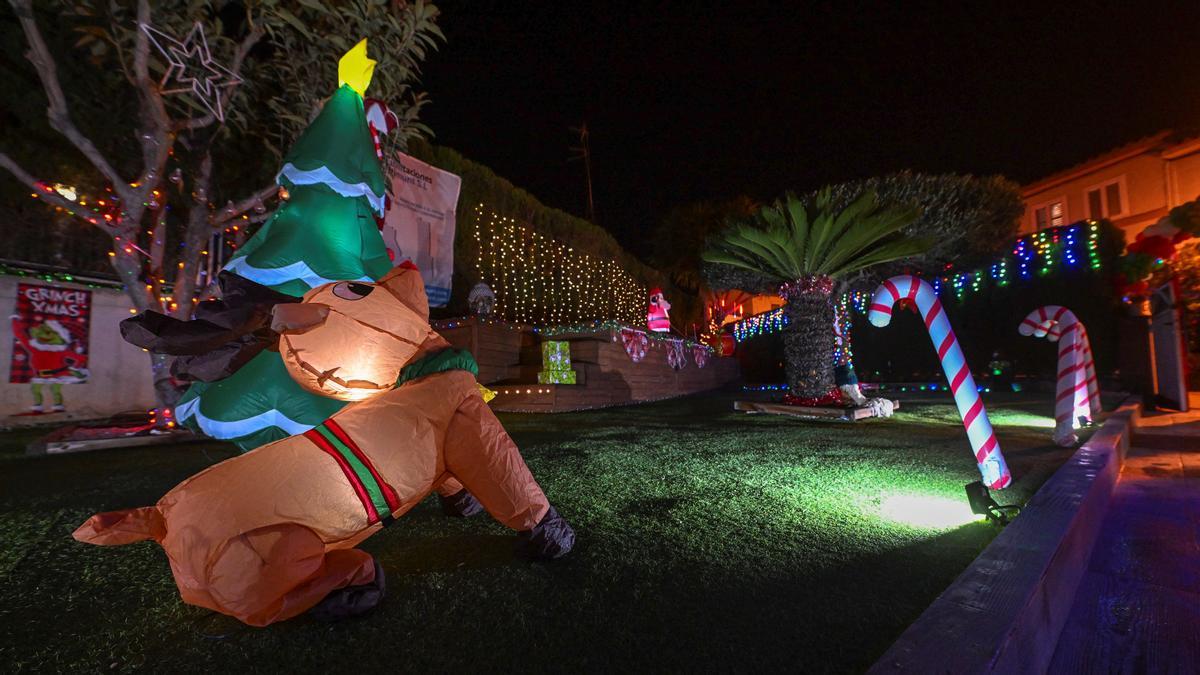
(1133, 186)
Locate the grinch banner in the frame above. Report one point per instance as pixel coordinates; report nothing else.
(50, 335)
(420, 223)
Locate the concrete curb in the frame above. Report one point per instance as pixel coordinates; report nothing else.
(1004, 613)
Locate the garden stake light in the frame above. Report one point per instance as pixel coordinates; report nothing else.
(982, 503)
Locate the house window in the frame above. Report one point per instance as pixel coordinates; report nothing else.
(1107, 200)
(1050, 214)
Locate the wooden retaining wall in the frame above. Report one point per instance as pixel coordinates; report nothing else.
(509, 361)
(496, 347)
(1004, 613)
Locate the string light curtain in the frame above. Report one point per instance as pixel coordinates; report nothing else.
(538, 280)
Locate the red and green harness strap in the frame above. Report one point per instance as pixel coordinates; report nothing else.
(378, 498)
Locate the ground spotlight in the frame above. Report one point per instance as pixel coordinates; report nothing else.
(982, 503)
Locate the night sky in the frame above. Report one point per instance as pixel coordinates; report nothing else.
(693, 100)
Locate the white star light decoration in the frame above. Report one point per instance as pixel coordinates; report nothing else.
(191, 65)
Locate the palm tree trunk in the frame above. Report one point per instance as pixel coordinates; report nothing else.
(808, 344)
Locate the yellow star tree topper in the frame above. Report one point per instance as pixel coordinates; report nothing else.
(355, 69)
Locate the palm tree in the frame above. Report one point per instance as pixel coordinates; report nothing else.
(802, 250)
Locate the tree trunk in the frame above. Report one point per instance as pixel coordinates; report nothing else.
(808, 344)
(165, 393)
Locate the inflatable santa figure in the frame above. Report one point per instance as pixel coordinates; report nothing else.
(657, 319)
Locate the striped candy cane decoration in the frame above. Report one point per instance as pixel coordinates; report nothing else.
(1049, 329)
(966, 396)
(375, 139)
(1093, 385)
(1076, 393)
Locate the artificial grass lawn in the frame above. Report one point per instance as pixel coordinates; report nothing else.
(707, 539)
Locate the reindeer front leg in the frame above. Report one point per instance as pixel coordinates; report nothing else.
(481, 454)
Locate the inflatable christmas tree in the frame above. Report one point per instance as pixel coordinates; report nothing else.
(325, 231)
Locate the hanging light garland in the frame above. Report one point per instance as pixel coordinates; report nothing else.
(760, 324)
(55, 277)
(1064, 248)
(108, 210)
(597, 326)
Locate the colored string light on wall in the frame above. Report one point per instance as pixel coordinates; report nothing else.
(596, 326)
(1043, 251)
(1058, 248)
(1061, 248)
(959, 282)
(843, 352)
(1093, 246)
(539, 280)
(55, 276)
(760, 324)
(998, 271)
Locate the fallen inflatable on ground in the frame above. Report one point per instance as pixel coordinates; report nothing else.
(271, 534)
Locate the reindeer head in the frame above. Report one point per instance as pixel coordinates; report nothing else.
(350, 339)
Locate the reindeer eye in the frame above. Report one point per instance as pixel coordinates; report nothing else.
(350, 290)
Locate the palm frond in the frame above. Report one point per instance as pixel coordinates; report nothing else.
(789, 240)
(772, 250)
(893, 250)
(819, 236)
(864, 234)
(798, 218)
(724, 258)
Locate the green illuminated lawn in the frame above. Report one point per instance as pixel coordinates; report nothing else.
(707, 540)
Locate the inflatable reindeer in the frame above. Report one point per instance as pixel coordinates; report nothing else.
(271, 534)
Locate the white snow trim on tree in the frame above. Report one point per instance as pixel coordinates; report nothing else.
(275, 276)
(323, 176)
(227, 430)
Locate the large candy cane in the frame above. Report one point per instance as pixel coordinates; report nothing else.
(966, 394)
(1076, 394)
(1050, 330)
(1051, 322)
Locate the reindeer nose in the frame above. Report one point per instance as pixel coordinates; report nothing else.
(298, 317)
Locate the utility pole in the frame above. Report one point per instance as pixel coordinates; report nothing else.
(584, 152)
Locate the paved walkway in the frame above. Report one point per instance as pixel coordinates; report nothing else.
(1138, 606)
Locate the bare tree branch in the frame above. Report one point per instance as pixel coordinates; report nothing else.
(156, 141)
(158, 241)
(196, 237)
(243, 50)
(58, 112)
(260, 217)
(193, 123)
(227, 215)
(51, 197)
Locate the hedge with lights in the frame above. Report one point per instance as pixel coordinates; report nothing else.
(539, 280)
(499, 197)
